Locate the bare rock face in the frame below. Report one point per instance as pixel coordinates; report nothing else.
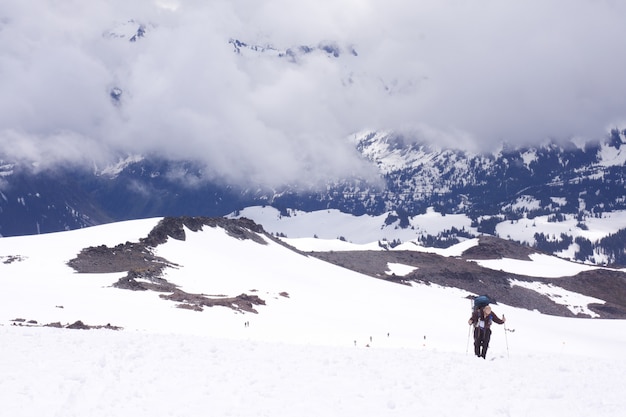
(174, 227)
(77, 325)
(495, 248)
(123, 257)
(242, 302)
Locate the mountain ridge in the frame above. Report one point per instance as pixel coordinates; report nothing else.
(560, 181)
(147, 272)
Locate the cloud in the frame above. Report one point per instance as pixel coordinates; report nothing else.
(75, 88)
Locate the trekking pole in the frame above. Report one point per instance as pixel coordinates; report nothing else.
(469, 329)
(506, 339)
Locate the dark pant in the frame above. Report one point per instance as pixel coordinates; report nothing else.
(481, 340)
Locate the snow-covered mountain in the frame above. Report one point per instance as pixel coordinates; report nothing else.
(235, 319)
(564, 188)
(561, 238)
(178, 93)
(305, 269)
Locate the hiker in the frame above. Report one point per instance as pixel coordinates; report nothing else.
(481, 319)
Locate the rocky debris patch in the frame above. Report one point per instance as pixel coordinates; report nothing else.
(242, 302)
(24, 322)
(145, 279)
(76, 325)
(197, 302)
(123, 257)
(9, 259)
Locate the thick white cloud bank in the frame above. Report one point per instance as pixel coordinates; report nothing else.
(459, 73)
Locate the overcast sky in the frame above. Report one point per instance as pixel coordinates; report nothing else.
(461, 73)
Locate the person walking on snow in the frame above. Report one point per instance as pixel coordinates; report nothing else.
(481, 319)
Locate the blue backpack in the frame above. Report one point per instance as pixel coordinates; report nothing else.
(482, 301)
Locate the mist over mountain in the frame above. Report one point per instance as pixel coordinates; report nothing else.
(273, 88)
(569, 189)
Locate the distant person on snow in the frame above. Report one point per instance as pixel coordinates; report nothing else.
(481, 319)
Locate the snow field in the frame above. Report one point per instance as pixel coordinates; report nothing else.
(56, 372)
(336, 343)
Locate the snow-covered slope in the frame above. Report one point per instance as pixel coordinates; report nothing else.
(297, 289)
(327, 341)
(333, 224)
(356, 231)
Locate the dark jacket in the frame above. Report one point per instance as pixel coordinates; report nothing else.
(477, 315)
